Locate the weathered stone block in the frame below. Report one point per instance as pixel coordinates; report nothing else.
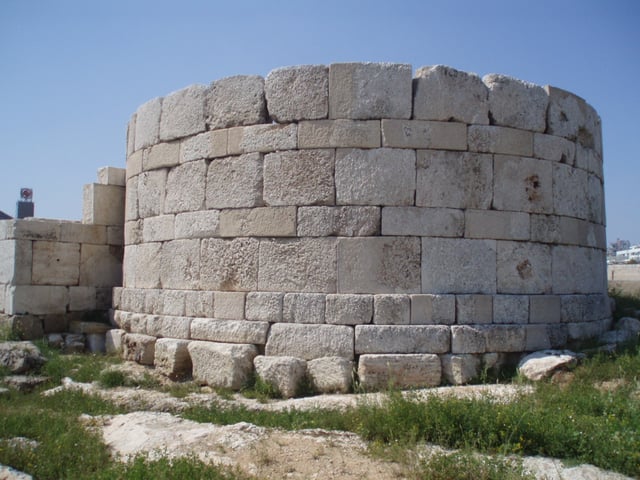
(544, 309)
(304, 308)
(338, 221)
(16, 262)
(202, 224)
(375, 177)
(55, 263)
(429, 309)
(229, 264)
(131, 200)
(133, 299)
(468, 339)
(573, 307)
(171, 358)
(524, 268)
(235, 182)
(183, 113)
(339, 133)
(402, 339)
(229, 331)
(379, 265)
(82, 299)
(556, 149)
(310, 341)
(537, 338)
(258, 222)
(114, 340)
(494, 139)
(180, 264)
(379, 372)
(301, 265)
(186, 187)
(458, 265)
(262, 138)
(285, 374)
(139, 348)
(298, 93)
(229, 305)
(138, 323)
(103, 204)
(460, 369)
(369, 90)
(455, 180)
(570, 193)
(474, 309)
(199, 304)
(161, 155)
(587, 267)
(30, 229)
(236, 101)
(148, 123)
(517, 104)
(590, 160)
(264, 306)
(505, 338)
(115, 234)
(444, 93)
(391, 310)
(496, 224)
(523, 184)
(71, 232)
(206, 145)
(173, 327)
(299, 178)
(100, 265)
(511, 309)
(134, 164)
(222, 365)
(151, 188)
(173, 302)
(158, 229)
(424, 134)
(418, 221)
(141, 265)
(348, 309)
(131, 135)
(330, 374)
(112, 176)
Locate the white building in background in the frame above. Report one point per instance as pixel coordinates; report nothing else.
(632, 253)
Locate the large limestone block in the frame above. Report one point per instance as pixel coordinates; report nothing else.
(264, 306)
(571, 196)
(236, 101)
(235, 182)
(370, 90)
(590, 160)
(148, 123)
(474, 309)
(171, 358)
(180, 264)
(524, 267)
(424, 134)
(84, 233)
(222, 365)
(103, 204)
(301, 265)
(375, 177)
(113, 341)
(158, 229)
(172, 302)
(133, 299)
(578, 270)
(82, 299)
(348, 309)
(168, 326)
(339, 133)
(30, 229)
(310, 341)
(161, 155)
(298, 93)
(460, 369)
(134, 164)
(101, 265)
(496, 224)
(55, 263)
(468, 339)
(262, 138)
(151, 191)
(299, 178)
(505, 338)
(511, 309)
(131, 135)
(523, 184)
(539, 365)
(304, 308)
(458, 265)
(517, 104)
(285, 374)
(115, 235)
(419, 221)
(455, 180)
(202, 224)
(229, 305)
(338, 221)
(444, 93)
(504, 140)
(428, 309)
(131, 200)
(198, 304)
(112, 176)
(16, 261)
(391, 309)
(185, 187)
(330, 374)
(258, 222)
(402, 339)
(139, 348)
(141, 265)
(556, 149)
(379, 265)
(229, 264)
(212, 144)
(379, 372)
(544, 308)
(229, 331)
(183, 113)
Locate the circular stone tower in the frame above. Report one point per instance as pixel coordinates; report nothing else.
(326, 220)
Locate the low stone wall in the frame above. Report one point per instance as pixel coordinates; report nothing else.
(413, 226)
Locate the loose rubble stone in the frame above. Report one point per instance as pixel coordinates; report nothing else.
(285, 374)
(20, 357)
(543, 364)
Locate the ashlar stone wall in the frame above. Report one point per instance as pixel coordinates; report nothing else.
(414, 226)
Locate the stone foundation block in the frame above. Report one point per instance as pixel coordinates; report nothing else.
(262, 138)
(298, 93)
(517, 104)
(221, 364)
(139, 348)
(391, 310)
(339, 134)
(427, 309)
(468, 339)
(95, 342)
(235, 182)
(203, 224)
(524, 268)
(26, 327)
(138, 323)
(493, 139)
(444, 93)
(16, 262)
(338, 221)
(285, 374)
(199, 304)
(587, 267)
(82, 299)
(370, 90)
(229, 264)
(537, 338)
(264, 306)
(161, 155)
(180, 265)
(158, 229)
(380, 372)
(186, 187)
(348, 309)
(571, 117)
(496, 224)
(258, 222)
(172, 358)
(460, 369)
(88, 327)
(236, 101)
(229, 331)
(426, 222)
(505, 338)
(169, 326)
(523, 184)
(330, 374)
(151, 188)
(100, 265)
(36, 299)
(310, 341)
(114, 340)
(112, 176)
(229, 305)
(423, 134)
(304, 308)
(511, 309)
(544, 309)
(55, 263)
(183, 113)
(134, 164)
(148, 123)
(402, 339)
(75, 232)
(206, 145)
(556, 149)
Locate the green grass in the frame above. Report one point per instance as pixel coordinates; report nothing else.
(466, 465)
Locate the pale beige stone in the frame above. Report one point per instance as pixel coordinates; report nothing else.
(339, 134)
(569, 116)
(161, 155)
(16, 262)
(186, 187)
(264, 306)
(304, 308)
(517, 104)
(262, 138)
(222, 365)
(474, 309)
(206, 145)
(258, 222)
(202, 224)
(424, 134)
(139, 348)
(151, 190)
(468, 339)
(235, 182)
(113, 341)
(55, 263)
(229, 331)
(141, 265)
(348, 309)
(31, 229)
(391, 309)
(460, 369)
(380, 372)
(229, 264)
(338, 221)
(504, 140)
(183, 113)
(180, 264)
(158, 229)
(112, 176)
(511, 309)
(103, 204)
(523, 184)
(524, 267)
(496, 224)
(173, 302)
(133, 232)
(236, 101)
(330, 374)
(131, 135)
(298, 93)
(148, 123)
(171, 358)
(229, 305)
(199, 303)
(428, 309)
(82, 299)
(537, 338)
(131, 200)
(505, 338)
(115, 235)
(570, 193)
(557, 149)
(402, 339)
(285, 374)
(419, 221)
(587, 267)
(310, 341)
(134, 164)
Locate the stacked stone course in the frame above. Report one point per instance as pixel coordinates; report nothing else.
(417, 227)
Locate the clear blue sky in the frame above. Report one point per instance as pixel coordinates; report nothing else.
(73, 71)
